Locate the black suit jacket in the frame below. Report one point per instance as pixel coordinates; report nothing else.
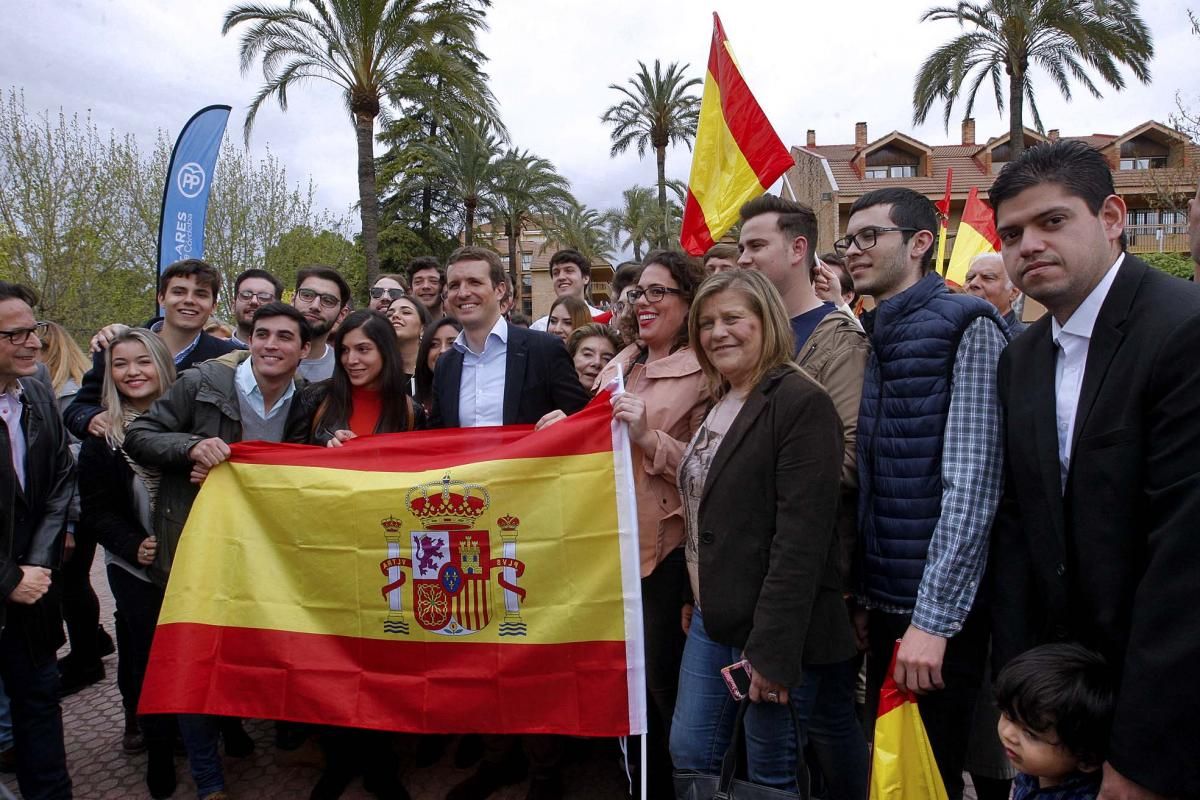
(1114, 561)
(769, 576)
(538, 378)
(33, 519)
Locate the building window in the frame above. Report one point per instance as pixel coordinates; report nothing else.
(877, 172)
(526, 261)
(1154, 162)
(898, 171)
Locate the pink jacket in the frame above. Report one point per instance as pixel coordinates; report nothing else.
(676, 397)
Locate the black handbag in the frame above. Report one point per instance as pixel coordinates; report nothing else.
(700, 786)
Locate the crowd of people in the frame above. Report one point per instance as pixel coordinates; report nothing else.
(844, 469)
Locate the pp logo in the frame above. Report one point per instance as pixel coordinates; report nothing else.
(191, 179)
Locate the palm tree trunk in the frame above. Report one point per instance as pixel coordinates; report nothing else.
(368, 201)
(469, 232)
(660, 151)
(513, 271)
(1016, 114)
(637, 252)
(427, 191)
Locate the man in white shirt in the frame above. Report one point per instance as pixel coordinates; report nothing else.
(571, 274)
(1096, 539)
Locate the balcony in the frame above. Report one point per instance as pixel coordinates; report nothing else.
(1169, 238)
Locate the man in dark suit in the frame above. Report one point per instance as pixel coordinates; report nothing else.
(500, 374)
(1096, 540)
(496, 373)
(36, 483)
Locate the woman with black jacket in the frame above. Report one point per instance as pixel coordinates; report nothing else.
(117, 498)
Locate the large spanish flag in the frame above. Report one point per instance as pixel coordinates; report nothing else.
(902, 762)
(466, 580)
(737, 155)
(976, 236)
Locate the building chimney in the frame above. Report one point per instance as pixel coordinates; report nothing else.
(812, 138)
(1053, 135)
(968, 130)
(860, 134)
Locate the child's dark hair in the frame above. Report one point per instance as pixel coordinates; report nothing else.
(1065, 687)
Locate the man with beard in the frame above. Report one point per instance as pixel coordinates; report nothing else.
(323, 297)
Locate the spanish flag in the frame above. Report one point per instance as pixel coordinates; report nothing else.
(737, 154)
(902, 763)
(976, 235)
(466, 580)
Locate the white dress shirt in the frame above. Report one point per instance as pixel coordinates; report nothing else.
(481, 390)
(247, 384)
(10, 411)
(1073, 340)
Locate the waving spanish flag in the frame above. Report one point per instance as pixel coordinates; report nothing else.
(902, 763)
(466, 580)
(976, 236)
(737, 155)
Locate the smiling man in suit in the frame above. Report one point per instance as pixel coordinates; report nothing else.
(500, 374)
(1096, 539)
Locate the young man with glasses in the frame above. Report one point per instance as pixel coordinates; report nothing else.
(385, 290)
(251, 290)
(323, 297)
(36, 484)
(930, 468)
(187, 293)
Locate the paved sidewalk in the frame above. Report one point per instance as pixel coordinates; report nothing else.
(93, 720)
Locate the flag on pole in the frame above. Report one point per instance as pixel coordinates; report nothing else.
(467, 580)
(976, 235)
(943, 207)
(737, 154)
(902, 763)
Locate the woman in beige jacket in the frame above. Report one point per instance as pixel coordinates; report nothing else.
(665, 400)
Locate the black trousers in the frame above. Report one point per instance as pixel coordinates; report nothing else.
(138, 603)
(30, 676)
(663, 592)
(80, 606)
(947, 713)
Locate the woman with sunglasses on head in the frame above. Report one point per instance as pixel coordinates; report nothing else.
(664, 402)
(409, 318)
(117, 497)
(437, 339)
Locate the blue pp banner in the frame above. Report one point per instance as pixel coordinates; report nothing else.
(189, 178)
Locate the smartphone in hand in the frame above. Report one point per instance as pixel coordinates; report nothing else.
(737, 679)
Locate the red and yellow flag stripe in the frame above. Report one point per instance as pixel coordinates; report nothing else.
(737, 154)
(976, 236)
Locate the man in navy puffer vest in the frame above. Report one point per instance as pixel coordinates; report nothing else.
(930, 466)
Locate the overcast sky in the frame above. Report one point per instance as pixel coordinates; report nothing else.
(141, 65)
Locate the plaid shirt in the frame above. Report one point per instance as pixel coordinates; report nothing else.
(1081, 786)
(972, 480)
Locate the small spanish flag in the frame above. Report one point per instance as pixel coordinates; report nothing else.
(976, 236)
(737, 155)
(902, 763)
(465, 580)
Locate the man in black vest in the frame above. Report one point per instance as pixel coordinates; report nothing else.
(36, 483)
(929, 464)
(1096, 541)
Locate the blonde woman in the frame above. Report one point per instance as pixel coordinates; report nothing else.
(760, 482)
(65, 362)
(117, 496)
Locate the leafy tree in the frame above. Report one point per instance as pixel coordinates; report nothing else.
(581, 228)
(1177, 264)
(637, 223)
(360, 46)
(526, 188)
(468, 162)
(657, 110)
(1068, 39)
(304, 246)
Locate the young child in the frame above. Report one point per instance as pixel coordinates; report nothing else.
(1056, 706)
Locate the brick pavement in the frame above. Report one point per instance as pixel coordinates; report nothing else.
(93, 721)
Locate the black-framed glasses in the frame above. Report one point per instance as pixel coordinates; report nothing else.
(19, 337)
(393, 294)
(865, 239)
(327, 300)
(245, 295)
(653, 294)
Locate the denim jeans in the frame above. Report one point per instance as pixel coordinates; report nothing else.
(201, 734)
(834, 732)
(705, 713)
(6, 734)
(31, 679)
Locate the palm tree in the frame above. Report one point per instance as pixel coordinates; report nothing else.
(637, 223)
(657, 110)
(526, 187)
(360, 46)
(1065, 38)
(581, 228)
(467, 160)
